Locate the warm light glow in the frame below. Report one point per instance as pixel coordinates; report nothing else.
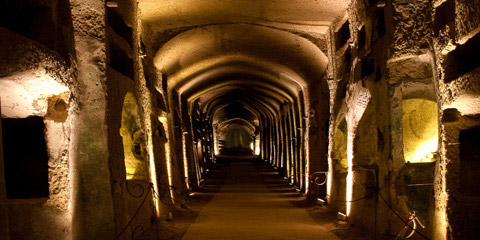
(215, 139)
(349, 192)
(153, 174)
(329, 177)
(133, 138)
(26, 93)
(215, 144)
(338, 152)
(307, 157)
(164, 121)
(185, 161)
(420, 130)
(251, 146)
(257, 146)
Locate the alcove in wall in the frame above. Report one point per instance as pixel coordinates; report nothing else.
(25, 158)
(133, 138)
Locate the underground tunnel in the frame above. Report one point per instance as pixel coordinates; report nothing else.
(187, 119)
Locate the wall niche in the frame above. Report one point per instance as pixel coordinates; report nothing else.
(25, 158)
(470, 161)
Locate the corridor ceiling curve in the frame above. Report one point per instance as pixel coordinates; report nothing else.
(201, 49)
(261, 55)
(162, 15)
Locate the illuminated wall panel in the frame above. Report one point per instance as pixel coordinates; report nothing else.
(420, 130)
(133, 138)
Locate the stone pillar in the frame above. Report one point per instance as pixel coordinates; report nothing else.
(317, 138)
(4, 229)
(92, 202)
(176, 149)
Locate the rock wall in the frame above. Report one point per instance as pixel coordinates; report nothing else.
(401, 52)
(37, 81)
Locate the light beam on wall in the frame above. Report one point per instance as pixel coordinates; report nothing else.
(215, 139)
(185, 161)
(307, 158)
(164, 121)
(349, 191)
(153, 174)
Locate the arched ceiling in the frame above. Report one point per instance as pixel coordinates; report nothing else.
(255, 85)
(202, 49)
(168, 14)
(249, 52)
(237, 121)
(256, 105)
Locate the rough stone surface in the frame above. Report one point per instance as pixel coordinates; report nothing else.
(411, 32)
(467, 19)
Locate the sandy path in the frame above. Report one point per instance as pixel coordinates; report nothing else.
(246, 209)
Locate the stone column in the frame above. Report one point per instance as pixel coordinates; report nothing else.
(92, 201)
(317, 138)
(4, 229)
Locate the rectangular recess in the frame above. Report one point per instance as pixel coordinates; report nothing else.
(463, 59)
(25, 158)
(470, 162)
(342, 35)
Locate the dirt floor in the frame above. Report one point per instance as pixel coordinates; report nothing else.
(182, 220)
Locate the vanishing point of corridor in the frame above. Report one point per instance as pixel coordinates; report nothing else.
(245, 208)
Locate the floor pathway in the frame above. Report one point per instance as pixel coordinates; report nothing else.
(246, 209)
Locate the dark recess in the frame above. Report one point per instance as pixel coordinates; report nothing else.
(378, 74)
(470, 161)
(368, 67)
(25, 157)
(444, 14)
(463, 59)
(342, 35)
(379, 30)
(418, 187)
(361, 37)
(29, 19)
(118, 25)
(121, 62)
(372, 2)
(46, 24)
(346, 63)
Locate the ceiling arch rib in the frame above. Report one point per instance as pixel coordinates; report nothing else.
(201, 49)
(236, 67)
(239, 121)
(224, 94)
(238, 95)
(217, 91)
(239, 79)
(259, 106)
(269, 95)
